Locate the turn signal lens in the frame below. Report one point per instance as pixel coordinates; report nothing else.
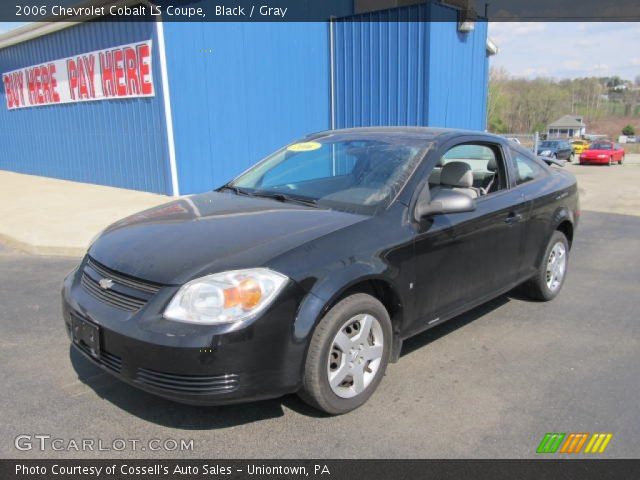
(247, 294)
(227, 297)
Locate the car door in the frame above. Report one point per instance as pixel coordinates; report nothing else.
(566, 150)
(532, 179)
(465, 258)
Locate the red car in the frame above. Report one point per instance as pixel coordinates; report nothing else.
(602, 153)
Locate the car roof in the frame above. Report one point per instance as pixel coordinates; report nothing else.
(414, 133)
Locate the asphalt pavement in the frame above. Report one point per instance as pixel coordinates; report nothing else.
(488, 384)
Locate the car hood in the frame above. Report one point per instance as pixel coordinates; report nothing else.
(208, 233)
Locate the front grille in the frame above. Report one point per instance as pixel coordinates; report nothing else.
(196, 384)
(126, 293)
(112, 362)
(134, 283)
(109, 296)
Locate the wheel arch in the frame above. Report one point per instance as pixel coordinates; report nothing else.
(379, 288)
(314, 307)
(562, 221)
(566, 227)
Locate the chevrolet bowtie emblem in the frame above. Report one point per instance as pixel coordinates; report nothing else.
(106, 283)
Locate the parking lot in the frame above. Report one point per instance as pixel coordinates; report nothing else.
(487, 384)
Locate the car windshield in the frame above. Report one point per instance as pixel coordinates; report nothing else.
(600, 146)
(362, 174)
(548, 144)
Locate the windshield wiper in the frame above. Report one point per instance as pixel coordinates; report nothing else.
(236, 190)
(281, 197)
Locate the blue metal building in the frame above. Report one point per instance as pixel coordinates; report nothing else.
(227, 94)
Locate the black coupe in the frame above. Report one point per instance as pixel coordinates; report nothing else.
(306, 273)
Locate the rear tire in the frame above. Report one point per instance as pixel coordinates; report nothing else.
(549, 279)
(621, 160)
(348, 355)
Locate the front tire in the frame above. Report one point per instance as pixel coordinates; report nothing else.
(610, 162)
(348, 355)
(549, 279)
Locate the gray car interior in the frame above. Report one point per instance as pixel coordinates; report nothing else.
(458, 174)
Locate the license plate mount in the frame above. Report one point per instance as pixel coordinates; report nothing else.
(86, 334)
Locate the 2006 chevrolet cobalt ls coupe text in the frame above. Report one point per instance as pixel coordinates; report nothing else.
(306, 272)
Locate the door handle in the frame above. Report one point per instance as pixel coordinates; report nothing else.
(513, 218)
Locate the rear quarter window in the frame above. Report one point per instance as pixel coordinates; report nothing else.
(527, 169)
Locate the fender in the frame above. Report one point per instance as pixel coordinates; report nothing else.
(330, 287)
(327, 290)
(561, 214)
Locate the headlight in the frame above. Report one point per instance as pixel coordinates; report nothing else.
(545, 153)
(226, 297)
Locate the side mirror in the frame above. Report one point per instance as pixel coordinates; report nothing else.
(445, 201)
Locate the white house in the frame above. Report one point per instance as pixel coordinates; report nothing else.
(569, 126)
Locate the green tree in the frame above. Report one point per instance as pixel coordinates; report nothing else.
(628, 130)
(523, 105)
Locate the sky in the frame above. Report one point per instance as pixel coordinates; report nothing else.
(567, 50)
(6, 26)
(556, 49)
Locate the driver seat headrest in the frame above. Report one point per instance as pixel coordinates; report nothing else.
(456, 174)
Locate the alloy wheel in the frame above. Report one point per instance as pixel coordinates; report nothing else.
(556, 266)
(355, 356)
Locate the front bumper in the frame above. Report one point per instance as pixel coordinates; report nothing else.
(594, 160)
(195, 364)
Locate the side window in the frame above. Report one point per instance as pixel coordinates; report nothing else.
(527, 169)
(475, 168)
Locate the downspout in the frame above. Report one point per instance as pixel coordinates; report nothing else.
(332, 73)
(166, 97)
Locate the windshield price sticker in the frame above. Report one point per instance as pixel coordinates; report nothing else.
(304, 146)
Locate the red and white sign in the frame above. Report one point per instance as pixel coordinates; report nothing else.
(114, 73)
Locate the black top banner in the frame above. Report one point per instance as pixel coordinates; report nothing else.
(320, 469)
(321, 10)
